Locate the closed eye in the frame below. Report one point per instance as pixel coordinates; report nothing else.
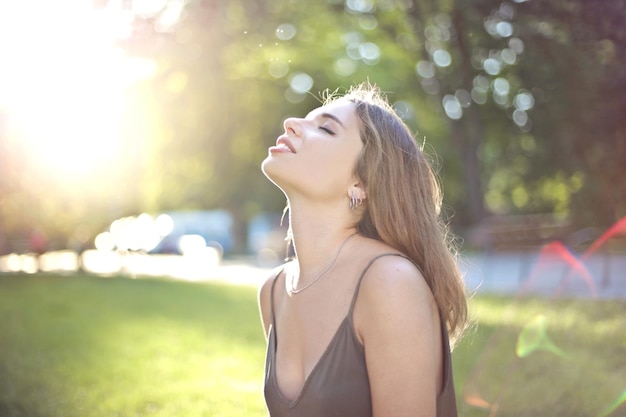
(327, 130)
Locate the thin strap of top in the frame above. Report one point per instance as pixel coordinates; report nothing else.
(358, 285)
(280, 271)
(367, 267)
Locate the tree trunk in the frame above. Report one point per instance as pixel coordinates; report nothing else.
(467, 133)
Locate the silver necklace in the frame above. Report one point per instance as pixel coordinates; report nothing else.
(296, 291)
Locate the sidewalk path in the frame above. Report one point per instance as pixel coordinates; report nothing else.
(512, 273)
(518, 273)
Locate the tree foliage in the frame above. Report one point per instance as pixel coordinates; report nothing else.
(521, 102)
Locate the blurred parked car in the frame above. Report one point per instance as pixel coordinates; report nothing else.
(176, 232)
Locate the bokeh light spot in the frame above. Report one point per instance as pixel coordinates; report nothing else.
(301, 83)
(492, 66)
(520, 117)
(370, 53)
(506, 11)
(452, 107)
(490, 26)
(286, 31)
(164, 224)
(524, 101)
(403, 109)
(360, 6)
(500, 99)
(353, 50)
(344, 67)
(479, 95)
(480, 81)
(520, 197)
(504, 29)
(517, 45)
(508, 56)
(105, 241)
(368, 22)
(425, 69)
(278, 68)
(501, 86)
(442, 58)
(464, 97)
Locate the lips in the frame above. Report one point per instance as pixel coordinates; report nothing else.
(284, 144)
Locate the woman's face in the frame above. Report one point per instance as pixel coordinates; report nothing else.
(315, 157)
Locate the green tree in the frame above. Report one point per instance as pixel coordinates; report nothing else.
(521, 100)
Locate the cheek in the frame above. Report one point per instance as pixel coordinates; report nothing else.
(338, 162)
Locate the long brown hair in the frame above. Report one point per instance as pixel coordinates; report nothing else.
(404, 201)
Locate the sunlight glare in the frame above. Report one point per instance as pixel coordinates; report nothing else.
(63, 82)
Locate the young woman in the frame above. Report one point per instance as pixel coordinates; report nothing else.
(359, 322)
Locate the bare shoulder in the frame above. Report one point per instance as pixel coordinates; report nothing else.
(389, 275)
(393, 287)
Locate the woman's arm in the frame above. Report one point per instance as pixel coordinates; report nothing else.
(398, 322)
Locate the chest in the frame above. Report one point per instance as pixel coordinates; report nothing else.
(305, 326)
(334, 384)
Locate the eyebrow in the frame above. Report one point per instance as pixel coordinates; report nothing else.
(333, 117)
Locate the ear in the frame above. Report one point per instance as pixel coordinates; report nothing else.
(357, 191)
(356, 195)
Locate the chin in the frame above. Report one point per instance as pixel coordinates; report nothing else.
(270, 170)
(266, 166)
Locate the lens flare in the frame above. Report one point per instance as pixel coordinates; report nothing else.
(614, 405)
(556, 265)
(618, 228)
(557, 251)
(477, 401)
(534, 337)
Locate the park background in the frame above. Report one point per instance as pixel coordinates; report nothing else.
(111, 109)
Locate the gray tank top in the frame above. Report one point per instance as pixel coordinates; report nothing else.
(338, 384)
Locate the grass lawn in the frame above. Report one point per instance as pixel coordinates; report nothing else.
(543, 357)
(81, 346)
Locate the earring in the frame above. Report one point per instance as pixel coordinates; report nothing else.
(355, 202)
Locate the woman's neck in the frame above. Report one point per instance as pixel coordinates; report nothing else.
(318, 233)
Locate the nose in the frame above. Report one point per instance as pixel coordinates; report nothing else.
(292, 125)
